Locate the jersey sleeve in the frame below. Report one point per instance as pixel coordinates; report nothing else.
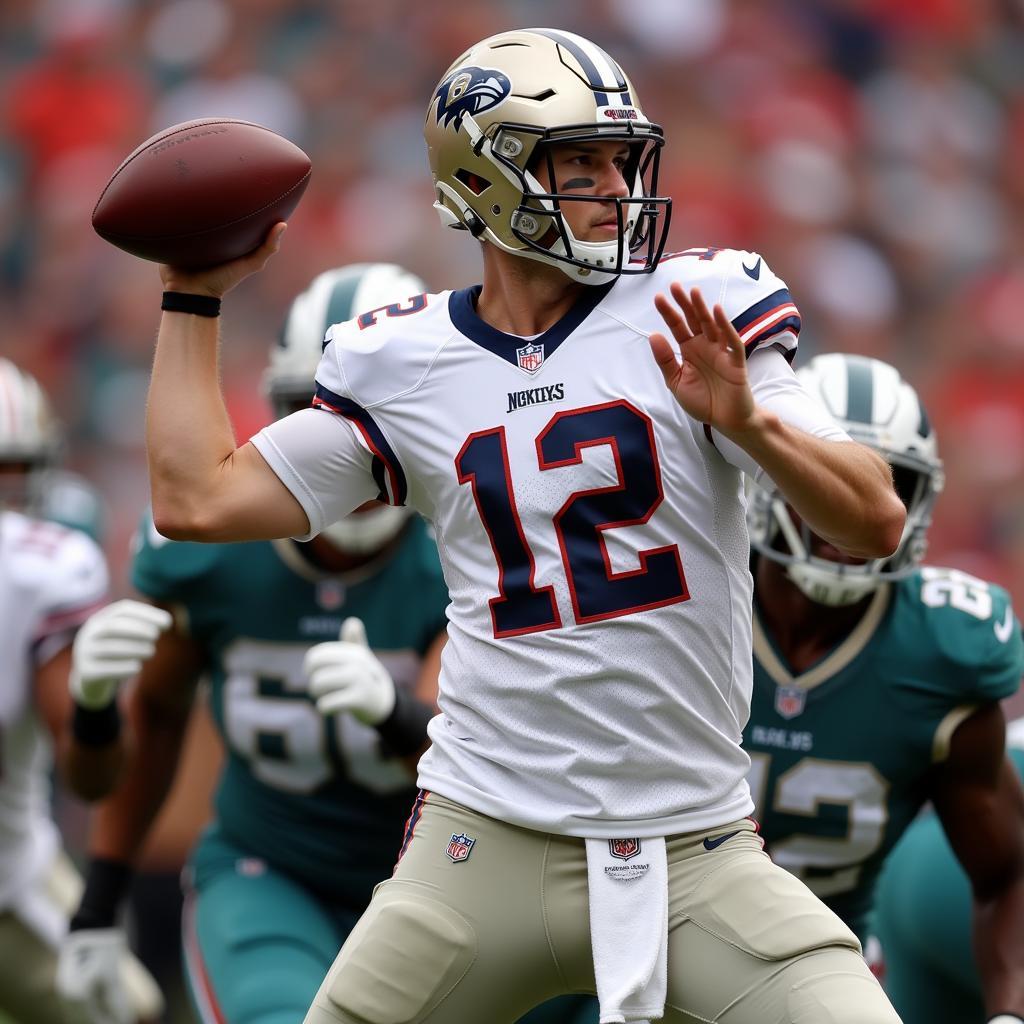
(977, 632)
(168, 571)
(76, 584)
(758, 303)
(778, 389)
(326, 462)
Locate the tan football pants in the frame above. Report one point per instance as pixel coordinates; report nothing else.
(481, 940)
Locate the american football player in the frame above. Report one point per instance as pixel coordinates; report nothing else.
(582, 821)
(876, 688)
(314, 792)
(932, 974)
(51, 579)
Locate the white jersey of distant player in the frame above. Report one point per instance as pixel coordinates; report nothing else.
(598, 669)
(51, 580)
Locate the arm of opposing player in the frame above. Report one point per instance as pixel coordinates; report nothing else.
(980, 801)
(89, 771)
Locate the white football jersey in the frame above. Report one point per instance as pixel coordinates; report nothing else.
(51, 580)
(598, 669)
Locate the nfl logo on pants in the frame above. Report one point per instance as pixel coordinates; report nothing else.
(460, 847)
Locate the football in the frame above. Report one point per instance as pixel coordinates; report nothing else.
(202, 192)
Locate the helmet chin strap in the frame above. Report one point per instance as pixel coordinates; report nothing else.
(366, 532)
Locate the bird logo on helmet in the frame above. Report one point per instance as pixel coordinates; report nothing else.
(495, 114)
(469, 91)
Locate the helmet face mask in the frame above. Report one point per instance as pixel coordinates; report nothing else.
(500, 109)
(875, 406)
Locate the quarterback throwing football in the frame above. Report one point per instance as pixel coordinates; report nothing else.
(582, 821)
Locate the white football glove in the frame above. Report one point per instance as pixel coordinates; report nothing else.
(345, 675)
(89, 975)
(111, 647)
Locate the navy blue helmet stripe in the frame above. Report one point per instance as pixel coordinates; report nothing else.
(597, 82)
(387, 470)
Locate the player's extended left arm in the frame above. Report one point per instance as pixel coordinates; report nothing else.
(842, 490)
(980, 801)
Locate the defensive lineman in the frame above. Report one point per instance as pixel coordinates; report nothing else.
(597, 673)
(877, 688)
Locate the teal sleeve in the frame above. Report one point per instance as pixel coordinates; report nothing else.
(167, 571)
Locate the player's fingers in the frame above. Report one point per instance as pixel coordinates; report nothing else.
(353, 631)
(114, 668)
(706, 322)
(733, 342)
(674, 319)
(332, 702)
(664, 355)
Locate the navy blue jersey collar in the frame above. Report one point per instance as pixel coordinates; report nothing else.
(462, 310)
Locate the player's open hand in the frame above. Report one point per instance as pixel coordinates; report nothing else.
(710, 379)
(219, 280)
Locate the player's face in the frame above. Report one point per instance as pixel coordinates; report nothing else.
(588, 169)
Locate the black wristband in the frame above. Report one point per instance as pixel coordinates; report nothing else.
(405, 729)
(96, 727)
(106, 883)
(186, 302)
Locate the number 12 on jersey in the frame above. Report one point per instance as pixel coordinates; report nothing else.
(597, 592)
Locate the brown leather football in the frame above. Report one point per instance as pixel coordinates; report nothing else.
(202, 192)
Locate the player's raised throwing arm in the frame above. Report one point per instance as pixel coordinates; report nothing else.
(842, 490)
(203, 486)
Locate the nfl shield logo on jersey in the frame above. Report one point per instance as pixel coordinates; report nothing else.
(623, 848)
(460, 847)
(531, 357)
(789, 701)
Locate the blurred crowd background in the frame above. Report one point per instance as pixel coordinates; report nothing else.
(872, 150)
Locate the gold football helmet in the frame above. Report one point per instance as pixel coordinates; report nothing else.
(493, 117)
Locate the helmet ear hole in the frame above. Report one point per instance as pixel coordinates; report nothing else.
(476, 183)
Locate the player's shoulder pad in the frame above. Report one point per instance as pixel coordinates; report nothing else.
(63, 565)
(756, 300)
(384, 353)
(164, 569)
(971, 625)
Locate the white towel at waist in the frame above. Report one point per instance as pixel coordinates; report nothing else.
(628, 884)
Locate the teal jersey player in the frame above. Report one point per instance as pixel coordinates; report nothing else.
(929, 966)
(316, 797)
(841, 753)
(309, 809)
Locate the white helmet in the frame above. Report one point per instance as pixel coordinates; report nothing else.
(498, 107)
(876, 406)
(333, 297)
(30, 438)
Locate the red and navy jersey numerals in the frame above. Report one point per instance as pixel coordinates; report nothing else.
(414, 304)
(597, 591)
